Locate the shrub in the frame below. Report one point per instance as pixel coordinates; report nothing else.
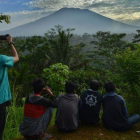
(56, 76)
(128, 69)
(82, 78)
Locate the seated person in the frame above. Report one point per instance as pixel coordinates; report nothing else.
(66, 117)
(38, 111)
(90, 104)
(115, 115)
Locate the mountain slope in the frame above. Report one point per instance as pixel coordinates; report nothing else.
(82, 20)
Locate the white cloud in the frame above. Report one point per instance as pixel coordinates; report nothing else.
(52, 5)
(23, 17)
(110, 8)
(122, 10)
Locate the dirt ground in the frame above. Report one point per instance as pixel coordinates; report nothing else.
(97, 132)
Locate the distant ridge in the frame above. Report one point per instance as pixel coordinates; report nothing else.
(83, 20)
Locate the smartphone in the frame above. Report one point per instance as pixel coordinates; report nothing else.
(4, 37)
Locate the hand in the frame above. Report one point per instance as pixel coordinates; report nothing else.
(9, 39)
(48, 90)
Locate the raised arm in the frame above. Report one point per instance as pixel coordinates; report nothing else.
(52, 102)
(13, 50)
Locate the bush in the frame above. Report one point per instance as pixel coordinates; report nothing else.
(128, 69)
(56, 76)
(82, 79)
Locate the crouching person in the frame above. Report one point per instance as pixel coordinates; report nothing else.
(90, 104)
(67, 111)
(38, 111)
(115, 115)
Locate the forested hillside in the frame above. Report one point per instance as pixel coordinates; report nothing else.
(59, 56)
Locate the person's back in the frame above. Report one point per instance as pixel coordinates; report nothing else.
(115, 115)
(38, 111)
(90, 104)
(67, 117)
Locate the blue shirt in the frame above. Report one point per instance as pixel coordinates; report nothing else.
(5, 93)
(124, 108)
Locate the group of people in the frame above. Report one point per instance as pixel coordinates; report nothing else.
(71, 109)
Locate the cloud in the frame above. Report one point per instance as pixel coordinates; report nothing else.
(124, 10)
(58, 4)
(23, 17)
(127, 11)
(118, 10)
(100, 4)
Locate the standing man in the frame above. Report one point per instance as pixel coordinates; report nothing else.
(5, 94)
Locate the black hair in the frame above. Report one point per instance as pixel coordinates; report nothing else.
(94, 85)
(38, 84)
(109, 87)
(70, 87)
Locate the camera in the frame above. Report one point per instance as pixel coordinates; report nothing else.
(4, 37)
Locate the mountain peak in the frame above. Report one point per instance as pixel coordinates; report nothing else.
(83, 20)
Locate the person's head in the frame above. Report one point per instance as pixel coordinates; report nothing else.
(109, 87)
(94, 85)
(70, 87)
(38, 85)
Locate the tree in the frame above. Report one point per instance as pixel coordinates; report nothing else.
(58, 40)
(137, 37)
(60, 50)
(33, 50)
(105, 47)
(128, 69)
(6, 18)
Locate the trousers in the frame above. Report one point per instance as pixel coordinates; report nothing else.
(2, 118)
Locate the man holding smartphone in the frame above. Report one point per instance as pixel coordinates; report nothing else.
(5, 94)
(38, 112)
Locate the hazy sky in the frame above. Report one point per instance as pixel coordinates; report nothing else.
(24, 11)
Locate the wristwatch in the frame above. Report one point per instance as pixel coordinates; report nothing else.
(11, 43)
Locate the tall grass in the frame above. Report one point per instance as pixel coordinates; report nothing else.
(14, 116)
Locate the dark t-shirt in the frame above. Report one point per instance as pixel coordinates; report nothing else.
(90, 105)
(67, 110)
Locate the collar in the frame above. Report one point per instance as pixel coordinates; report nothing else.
(92, 90)
(110, 94)
(36, 94)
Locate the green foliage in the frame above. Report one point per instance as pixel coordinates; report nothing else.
(22, 79)
(14, 116)
(31, 44)
(129, 65)
(126, 77)
(137, 37)
(82, 79)
(6, 18)
(56, 76)
(106, 46)
(59, 46)
(53, 55)
(60, 50)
